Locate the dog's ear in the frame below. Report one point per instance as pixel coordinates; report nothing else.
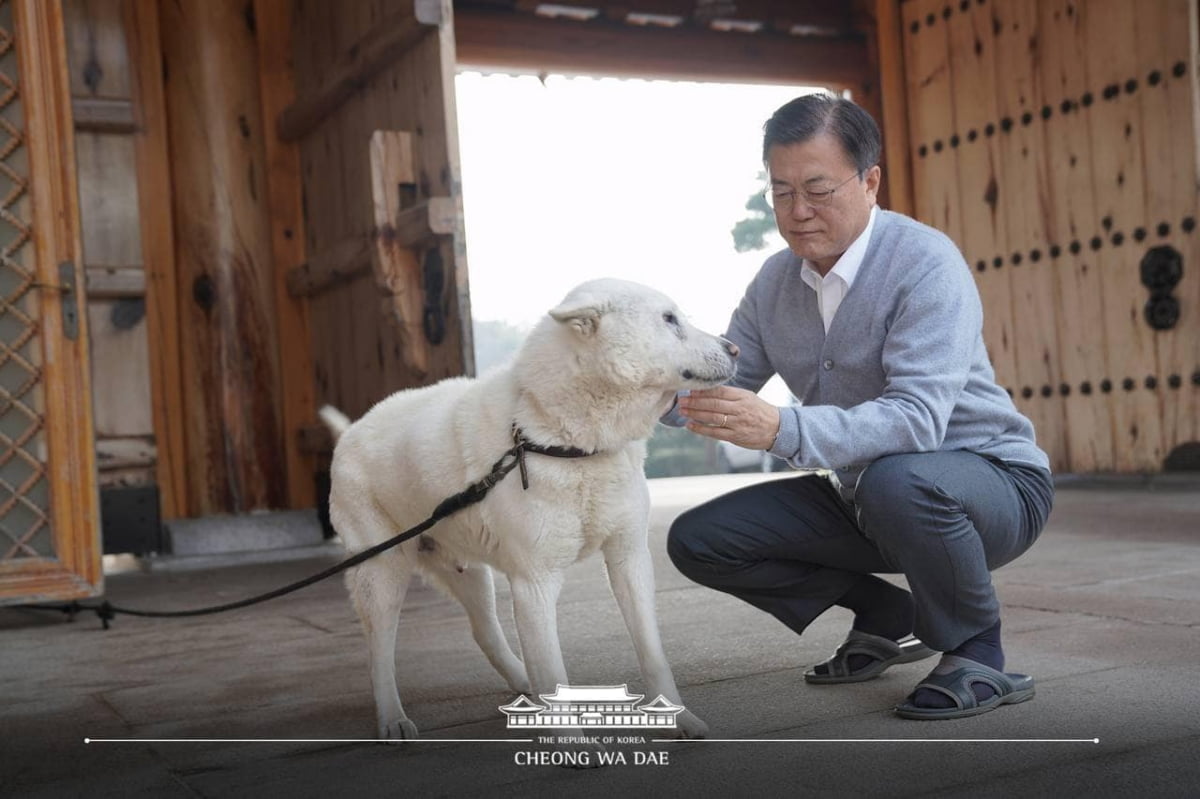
(583, 316)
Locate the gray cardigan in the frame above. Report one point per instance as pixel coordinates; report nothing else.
(903, 368)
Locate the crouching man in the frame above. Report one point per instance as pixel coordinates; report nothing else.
(874, 322)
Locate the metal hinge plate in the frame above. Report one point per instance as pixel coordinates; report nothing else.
(70, 300)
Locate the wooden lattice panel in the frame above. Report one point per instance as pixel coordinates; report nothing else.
(24, 515)
(1054, 140)
(49, 527)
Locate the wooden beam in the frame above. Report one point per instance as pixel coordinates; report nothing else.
(351, 256)
(836, 16)
(342, 262)
(285, 197)
(127, 452)
(102, 115)
(491, 40)
(114, 282)
(386, 42)
(436, 217)
(158, 254)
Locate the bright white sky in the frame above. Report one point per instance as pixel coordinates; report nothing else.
(579, 178)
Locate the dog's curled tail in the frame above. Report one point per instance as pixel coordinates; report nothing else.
(335, 420)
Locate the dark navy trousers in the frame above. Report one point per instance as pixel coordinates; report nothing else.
(944, 520)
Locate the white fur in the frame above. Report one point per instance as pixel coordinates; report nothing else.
(595, 374)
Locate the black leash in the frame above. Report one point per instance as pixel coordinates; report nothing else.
(472, 494)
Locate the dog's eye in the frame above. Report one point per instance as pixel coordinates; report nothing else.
(671, 319)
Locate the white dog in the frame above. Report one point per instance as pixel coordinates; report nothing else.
(594, 376)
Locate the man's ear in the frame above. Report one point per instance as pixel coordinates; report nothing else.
(583, 316)
(874, 178)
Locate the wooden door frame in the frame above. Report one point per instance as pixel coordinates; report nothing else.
(888, 51)
(75, 569)
(158, 254)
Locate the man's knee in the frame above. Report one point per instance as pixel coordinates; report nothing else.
(896, 488)
(685, 541)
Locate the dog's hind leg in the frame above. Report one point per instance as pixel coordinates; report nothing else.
(377, 589)
(475, 589)
(631, 575)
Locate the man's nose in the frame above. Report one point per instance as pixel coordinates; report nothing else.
(802, 210)
(730, 347)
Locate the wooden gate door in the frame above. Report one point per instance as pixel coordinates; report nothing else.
(385, 268)
(1055, 142)
(49, 531)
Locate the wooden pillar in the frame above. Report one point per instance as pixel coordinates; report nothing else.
(158, 254)
(298, 388)
(228, 337)
(891, 106)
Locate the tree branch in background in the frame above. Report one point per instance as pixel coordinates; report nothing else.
(751, 232)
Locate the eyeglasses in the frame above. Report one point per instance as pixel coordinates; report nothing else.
(783, 198)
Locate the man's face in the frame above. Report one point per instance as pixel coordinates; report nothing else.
(817, 225)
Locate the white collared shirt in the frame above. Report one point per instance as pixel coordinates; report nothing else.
(832, 288)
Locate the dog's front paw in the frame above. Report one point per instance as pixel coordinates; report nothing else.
(400, 729)
(688, 726)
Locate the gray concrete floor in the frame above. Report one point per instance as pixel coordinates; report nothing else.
(1103, 611)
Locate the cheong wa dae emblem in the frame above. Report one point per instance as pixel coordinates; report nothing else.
(591, 706)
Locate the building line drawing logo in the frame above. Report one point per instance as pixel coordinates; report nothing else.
(591, 706)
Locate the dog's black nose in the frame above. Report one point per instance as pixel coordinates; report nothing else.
(730, 347)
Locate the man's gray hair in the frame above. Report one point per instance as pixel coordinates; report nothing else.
(809, 115)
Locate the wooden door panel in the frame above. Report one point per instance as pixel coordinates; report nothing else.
(1055, 141)
(49, 531)
(385, 274)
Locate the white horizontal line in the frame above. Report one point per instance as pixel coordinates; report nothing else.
(302, 740)
(530, 740)
(881, 740)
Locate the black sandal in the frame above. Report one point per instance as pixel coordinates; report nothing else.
(954, 677)
(884, 653)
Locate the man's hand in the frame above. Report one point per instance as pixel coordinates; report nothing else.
(731, 414)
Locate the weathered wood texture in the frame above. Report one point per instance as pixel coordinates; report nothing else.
(1056, 143)
(96, 49)
(104, 115)
(824, 17)
(125, 461)
(119, 385)
(111, 240)
(151, 153)
(402, 233)
(892, 112)
(101, 88)
(47, 227)
(1071, 215)
(297, 395)
(381, 46)
(227, 315)
(528, 42)
(360, 350)
(125, 179)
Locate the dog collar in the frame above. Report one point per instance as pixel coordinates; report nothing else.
(524, 443)
(521, 445)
